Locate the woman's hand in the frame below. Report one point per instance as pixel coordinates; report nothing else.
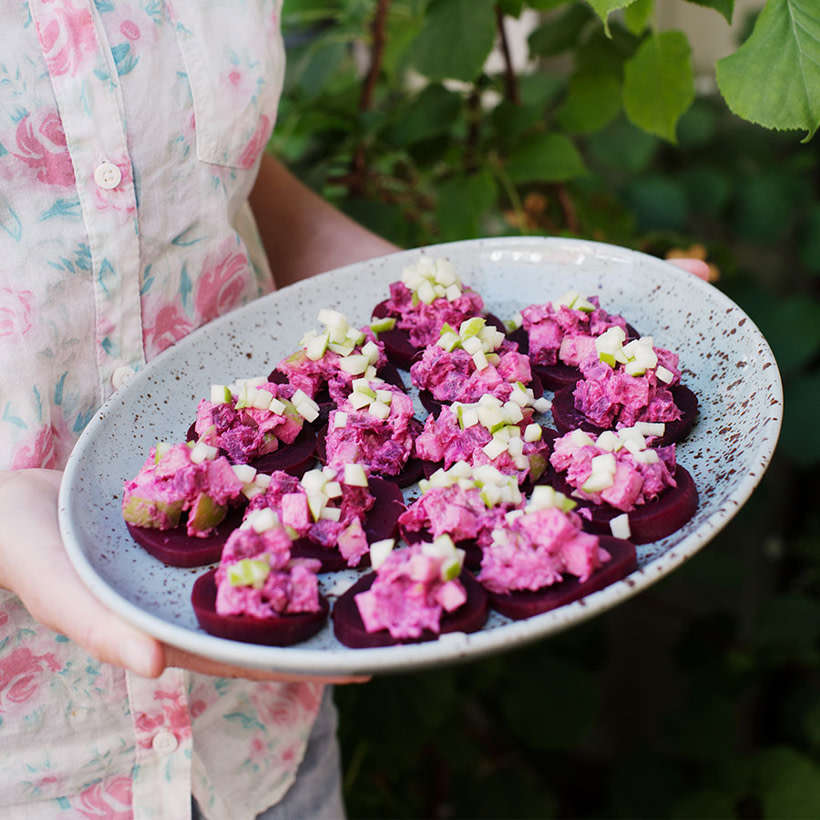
(696, 267)
(35, 566)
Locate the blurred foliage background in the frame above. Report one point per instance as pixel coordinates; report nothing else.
(700, 698)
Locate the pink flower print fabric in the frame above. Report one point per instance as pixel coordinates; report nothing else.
(99, 277)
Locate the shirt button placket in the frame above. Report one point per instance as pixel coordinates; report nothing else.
(164, 742)
(107, 175)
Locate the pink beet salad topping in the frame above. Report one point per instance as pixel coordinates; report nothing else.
(411, 591)
(372, 426)
(462, 432)
(322, 507)
(470, 362)
(617, 468)
(536, 548)
(429, 296)
(334, 355)
(462, 502)
(248, 419)
(177, 478)
(257, 576)
(564, 331)
(626, 383)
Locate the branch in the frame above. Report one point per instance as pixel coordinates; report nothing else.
(510, 77)
(379, 40)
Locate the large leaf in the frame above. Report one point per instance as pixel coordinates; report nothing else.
(658, 83)
(462, 202)
(724, 7)
(603, 8)
(559, 33)
(435, 111)
(545, 158)
(594, 100)
(789, 783)
(773, 79)
(638, 16)
(456, 39)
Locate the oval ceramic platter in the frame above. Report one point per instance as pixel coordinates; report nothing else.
(725, 360)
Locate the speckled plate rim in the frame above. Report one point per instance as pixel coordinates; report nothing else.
(636, 275)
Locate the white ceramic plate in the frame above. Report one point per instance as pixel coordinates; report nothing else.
(725, 359)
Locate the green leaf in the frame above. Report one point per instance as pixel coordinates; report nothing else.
(658, 83)
(545, 158)
(511, 7)
(623, 148)
(638, 16)
(561, 33)
(724, 7)
(510, 121)
(462, 202)
(456, 39)
(789, 784)
(603, 8)
(547, 5)
(773, 79)
(594, 100)
(432, 113)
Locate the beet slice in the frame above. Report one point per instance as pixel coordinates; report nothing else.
(413, 469)
(397, 345)
(472, 552)
(178, 549)
(557, 376)
(381, 521)
(525, 603)
(293, 458)
(433, 405)
(349, 629)
(647, 522)
(567, 418)
(281, 630)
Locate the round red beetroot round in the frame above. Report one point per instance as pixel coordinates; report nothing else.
(412, 471)
(349, 629)
(293, 458)
(647, 522)
(567, 418)
(525, 603)
(178, 549)
(380, 522)
(279, 630)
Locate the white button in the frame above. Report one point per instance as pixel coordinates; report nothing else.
(164, 742)
(107, 175)
(121, 375)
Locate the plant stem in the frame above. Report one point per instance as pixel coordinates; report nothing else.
(510, 77)
(379, 40)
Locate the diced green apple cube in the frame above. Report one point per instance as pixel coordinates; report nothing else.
(380, 325)
(248, 572)
(354, 364)
(619, 526)
(220, 394)
(355, 475)
(379, 550)
(316, 347)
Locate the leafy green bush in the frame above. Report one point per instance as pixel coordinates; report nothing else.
(700, 698)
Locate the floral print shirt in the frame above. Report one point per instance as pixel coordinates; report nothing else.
(130, 137)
